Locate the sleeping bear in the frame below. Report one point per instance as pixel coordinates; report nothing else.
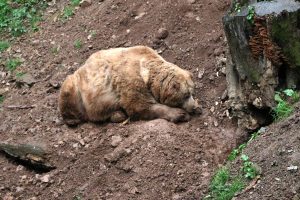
(120, 83)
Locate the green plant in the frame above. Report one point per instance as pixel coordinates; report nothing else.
(251, 14)
(253, 136)
(1, 99)
(12, 64)
(18, 16)
(235, 152)
(4, 45)
(283, 108)
(20, 74)
(293, 94)
(68, 12)
(223, 186)
(55, 50)
(77, 44)
(248, 168)
(237, 7)
(75, 2)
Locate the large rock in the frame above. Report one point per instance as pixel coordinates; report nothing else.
(265, 56)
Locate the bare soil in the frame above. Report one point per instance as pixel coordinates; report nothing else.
(276, 153)
(141, 160)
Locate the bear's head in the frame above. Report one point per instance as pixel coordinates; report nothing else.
(178, 91)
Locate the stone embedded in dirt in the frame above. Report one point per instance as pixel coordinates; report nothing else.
(162, 33)
(117, 154)
(201, 73)
(216, 124)
(27, 79)
(19, 189)
(191, 1)
(19, 168)
(133, 190)
(85, 3)
(224, 95)
(4, 91)
(116, 140)
(292, 168)
(45, 179)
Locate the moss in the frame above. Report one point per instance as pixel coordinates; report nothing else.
(285, 33)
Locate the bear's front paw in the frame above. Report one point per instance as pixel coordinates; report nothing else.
(178, 115)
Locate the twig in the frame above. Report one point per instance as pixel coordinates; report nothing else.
(126, 121)
(20, 106)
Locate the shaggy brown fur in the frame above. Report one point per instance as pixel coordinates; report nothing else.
(134, 82)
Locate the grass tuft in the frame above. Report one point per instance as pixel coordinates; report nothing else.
(12, 64)
(4, 45)
(223, 186)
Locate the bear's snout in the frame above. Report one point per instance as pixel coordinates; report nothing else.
(192, 106)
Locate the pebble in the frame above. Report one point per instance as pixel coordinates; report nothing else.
(85, 3)
(116, 140)
(19, 189)
(201, 73)
(26, 79)
(191, 1)
(162, 33)
(45, 179)
(216, 124)
(292, 168)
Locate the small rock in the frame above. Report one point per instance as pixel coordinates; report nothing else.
(26, 79)
(292, 168)
(133, 190)
(54, 84)
(212, 109)
(224, 95)
(4, 91)
(85, 3)
(211, 77)
(19, 168)
(162, 33)
(191, 1)
(201, 73)
(216, 124)
(218, 51)
(45, 179)
(19, 189)
(116, 140)
(262, 130)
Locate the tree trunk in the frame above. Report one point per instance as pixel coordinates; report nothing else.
(265, 56)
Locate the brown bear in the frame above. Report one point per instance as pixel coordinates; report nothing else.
(132, 82)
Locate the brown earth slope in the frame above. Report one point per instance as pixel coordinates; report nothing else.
(277, 154)
(140, 160)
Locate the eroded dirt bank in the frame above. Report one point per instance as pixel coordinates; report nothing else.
(140, 160)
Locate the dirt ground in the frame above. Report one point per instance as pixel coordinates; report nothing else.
(141, 160)
(276, 152)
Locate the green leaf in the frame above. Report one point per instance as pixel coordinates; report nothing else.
(289, 92)
(244, 157)
(277, 97)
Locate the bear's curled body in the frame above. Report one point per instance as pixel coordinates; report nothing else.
(130, 82)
